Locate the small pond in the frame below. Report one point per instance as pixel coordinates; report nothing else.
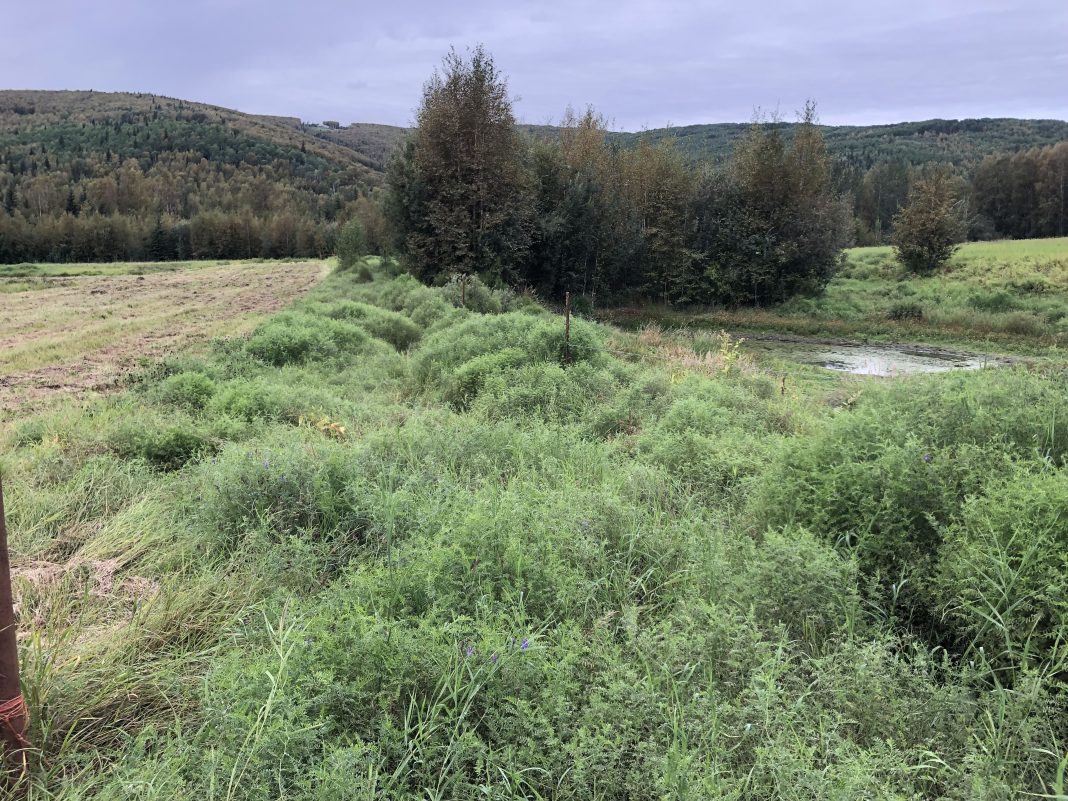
(871, 359)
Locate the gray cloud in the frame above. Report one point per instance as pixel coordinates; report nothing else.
(641, 63)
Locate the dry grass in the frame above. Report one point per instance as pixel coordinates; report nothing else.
(702, 352)
(86, 332)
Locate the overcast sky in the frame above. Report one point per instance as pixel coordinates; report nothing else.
(643, 64)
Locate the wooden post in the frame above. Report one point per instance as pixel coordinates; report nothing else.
(14, 716)
(567, 328)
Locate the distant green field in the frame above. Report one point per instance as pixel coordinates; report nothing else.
(1006, 295)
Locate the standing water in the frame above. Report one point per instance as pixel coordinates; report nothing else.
(875, 360)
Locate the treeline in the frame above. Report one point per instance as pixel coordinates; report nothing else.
(1007, 196)
(120, 237)
(162, 183)
(469, 193)
(1025, 194)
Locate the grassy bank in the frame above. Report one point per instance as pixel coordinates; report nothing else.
(1004, 296)
(386, 547)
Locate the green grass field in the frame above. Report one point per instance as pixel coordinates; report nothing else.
(1001, 296)
(384, 547)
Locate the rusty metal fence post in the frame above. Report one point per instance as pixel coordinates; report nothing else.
(14, 716)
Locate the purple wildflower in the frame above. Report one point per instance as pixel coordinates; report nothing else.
(493, 659)
(470, 650)
(525, 644)
(927, 458)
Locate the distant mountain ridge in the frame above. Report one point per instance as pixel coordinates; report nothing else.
(957, 142)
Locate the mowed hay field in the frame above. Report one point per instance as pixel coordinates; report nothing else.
(83, 333)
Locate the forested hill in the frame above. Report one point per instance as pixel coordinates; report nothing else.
(87, 176)
(959, 142)
(92, 175)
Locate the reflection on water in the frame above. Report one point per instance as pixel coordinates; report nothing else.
(877, 360)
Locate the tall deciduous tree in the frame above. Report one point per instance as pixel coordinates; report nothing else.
(466, 204)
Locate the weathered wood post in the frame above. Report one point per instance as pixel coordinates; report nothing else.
(14, 717)
(567, 328)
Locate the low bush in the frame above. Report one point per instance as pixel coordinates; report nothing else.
(264, 400)
(468, 292)
(186, 390)
(167, 448)
(541, 392)
(993, 302)
(529, 340)
(292, 338)
(908, 310)
(394, 328)
(283, 486)
(1003, 573)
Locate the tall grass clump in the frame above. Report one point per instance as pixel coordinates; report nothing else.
(898, 482)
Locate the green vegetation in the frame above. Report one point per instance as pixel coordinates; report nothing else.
(88, 176)
(579, 215)
(1009, 295)
(63, 270)
(91, 176)
(351, 244)
(928, 229)
(958, 142)
(388, 547)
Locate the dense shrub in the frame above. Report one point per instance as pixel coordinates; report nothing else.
(530, 340)
(167, 448)
(187, 390)
(394, 328)
(1003, 575)
(889, 483)
(351, 244)
(797, 581)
